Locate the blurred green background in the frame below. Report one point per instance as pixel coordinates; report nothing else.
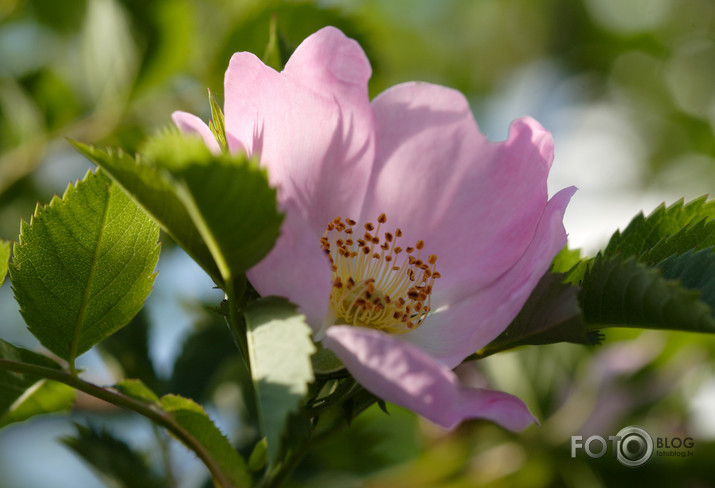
(627, 89)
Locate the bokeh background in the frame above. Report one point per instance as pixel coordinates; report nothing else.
(626, 87)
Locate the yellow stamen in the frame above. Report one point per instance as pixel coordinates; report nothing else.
(371, 286)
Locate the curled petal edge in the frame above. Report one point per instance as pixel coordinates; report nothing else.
(403, 374)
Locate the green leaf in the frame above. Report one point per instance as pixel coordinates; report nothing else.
(148, 187)
(643, 234)
(23, 396)
(565, 260)
(84, 266)
(698, 235)
(137, 390)
(192, 417)
(4, 258)
(227, 197)
(695, 270)
(257, 460)
(622, 292)
(113, 459)
(551, 314)
(216, 124)
(274, 55)
(279, 347)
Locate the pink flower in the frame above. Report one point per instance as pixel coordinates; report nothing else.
(410, 241)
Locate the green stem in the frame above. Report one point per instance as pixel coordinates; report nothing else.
(149, 411)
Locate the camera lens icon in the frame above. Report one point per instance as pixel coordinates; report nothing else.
(635, 446)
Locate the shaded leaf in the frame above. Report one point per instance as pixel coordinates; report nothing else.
(129, 347)
(146, 185)
(645, 233)
(84, 266)
(23, 396)
(697, 235)
(227, 197)
(621, 292)
(551, 314)
(274, 55)
(192, 417)
(114, 460)
(279, 347)
(695, 270)
(4, 258)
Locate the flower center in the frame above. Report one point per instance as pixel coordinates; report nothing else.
(374, 284)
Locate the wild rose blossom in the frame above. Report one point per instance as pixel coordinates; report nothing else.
(410, 241)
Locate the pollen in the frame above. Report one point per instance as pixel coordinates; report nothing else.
(374, 285)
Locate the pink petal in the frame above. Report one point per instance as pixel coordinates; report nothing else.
(475, 203)
(402, 374)
(312, 124)
(191, 124)
(452, 334)
(297, 269)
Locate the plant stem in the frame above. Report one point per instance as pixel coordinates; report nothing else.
(149, 411)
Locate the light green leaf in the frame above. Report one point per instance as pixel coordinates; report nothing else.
(148, 188)
(216, 124)
(227, 197)
(137, 390)
(565, 260)
(621, 292)
(23, 396)
(84, 266)
(646, 233)
(192, 417)
(279, 347)
(4, 258)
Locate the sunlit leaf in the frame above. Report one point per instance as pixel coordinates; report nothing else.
(227, 197)
(216, 124)
(279, 347)
(23, 396)
(4, 258)
(621, 292)
(696, 235)
(137, 390)
(192, 417)
(84, 266)
(117, 463)
(147, 187)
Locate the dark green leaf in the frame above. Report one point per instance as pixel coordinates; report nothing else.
(113, 459)
(551, 314)
(4, 258)
(146, 186)
(84, 266)
(227, 197)
(192, 417)
(645, 233)
(621, 292)
(279, 348)
(695, 270)
(697, 235)
(23, 396)
(204, 352)
(273, 55)
(129, 347)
